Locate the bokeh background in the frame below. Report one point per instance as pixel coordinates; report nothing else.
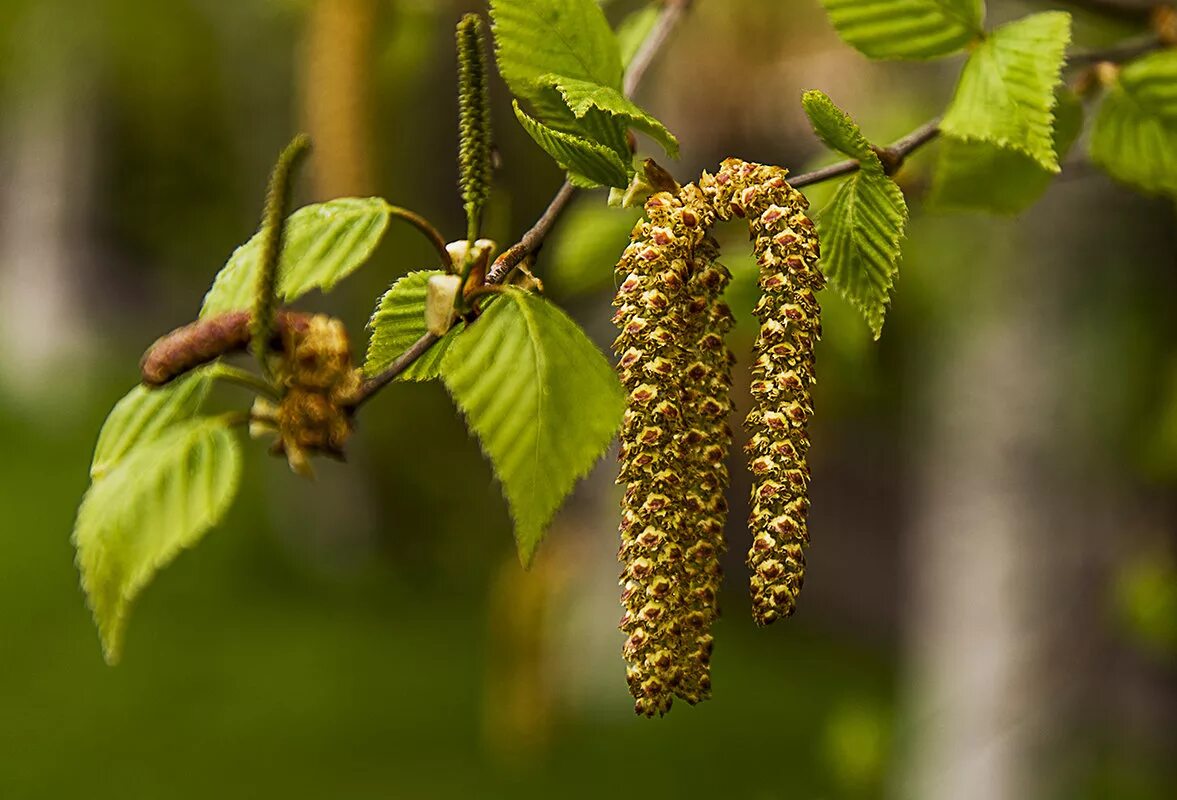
(991, 605)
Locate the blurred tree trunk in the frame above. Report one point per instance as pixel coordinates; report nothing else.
(992, 551)
(337, 80)
(47, 148)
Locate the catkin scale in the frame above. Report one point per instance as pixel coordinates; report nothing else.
(787, 252)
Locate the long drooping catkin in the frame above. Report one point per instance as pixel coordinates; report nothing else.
(653, 353)
(706, 441)
(787, 252)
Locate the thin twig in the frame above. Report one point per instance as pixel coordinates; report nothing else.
(894, 156)
(403, 362)
(530, 241)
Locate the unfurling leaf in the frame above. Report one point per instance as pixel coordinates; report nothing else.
(1006, 93)
(862, 226)
(836, 129)
(588, 163)
(398, 322)
(542, 400)
(137, 516)
(979, 175)
(913, 29)
(583, 97)
(1135, 133)
(324, 243)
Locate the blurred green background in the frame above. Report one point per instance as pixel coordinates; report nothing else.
(991, 605)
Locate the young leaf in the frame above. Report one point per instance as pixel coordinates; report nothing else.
(582, 97)
(979, 175)
(1135, 133)
(137, 517)
(143, 414)
(542, 399)
(1006, 92)
(836, 129)
(634, 29)
(588, 163)
(399, 321)
(324, 243)
(907, 28)
(567, 37)
(863, 224)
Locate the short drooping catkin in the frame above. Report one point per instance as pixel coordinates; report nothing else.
(787, 252)
(653, 355)
(706, 440)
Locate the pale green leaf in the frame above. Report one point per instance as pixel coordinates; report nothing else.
(1006, 93)
(324, 243)
(979, 175)
(588, 163)
(398, 322)
(542, 399)
(137, 517)
(583, 97)
(568, 37)
(837, 130)
(861, 230)
(907, 28)
(634, 29)
(144, 413)
(1135, 133)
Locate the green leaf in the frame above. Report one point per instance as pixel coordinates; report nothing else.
(1006, 93)
(588, 163)
(1135, 133)
(144, 413)
(324, 243)
(399, 321)
(583, 97)
(861, 230)
(542, 399)
(836, 129)
(978, 175)
(137, 517)
(907, 28)
(634, 29)
(567, 37)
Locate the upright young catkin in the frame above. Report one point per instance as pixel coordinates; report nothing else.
(787, 252)
(657, 528)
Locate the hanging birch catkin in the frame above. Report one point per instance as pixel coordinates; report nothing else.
(786, 247)
(656, 527)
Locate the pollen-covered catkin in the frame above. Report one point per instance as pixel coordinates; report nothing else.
(652, 311)
(706, 441)
(787, 252)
